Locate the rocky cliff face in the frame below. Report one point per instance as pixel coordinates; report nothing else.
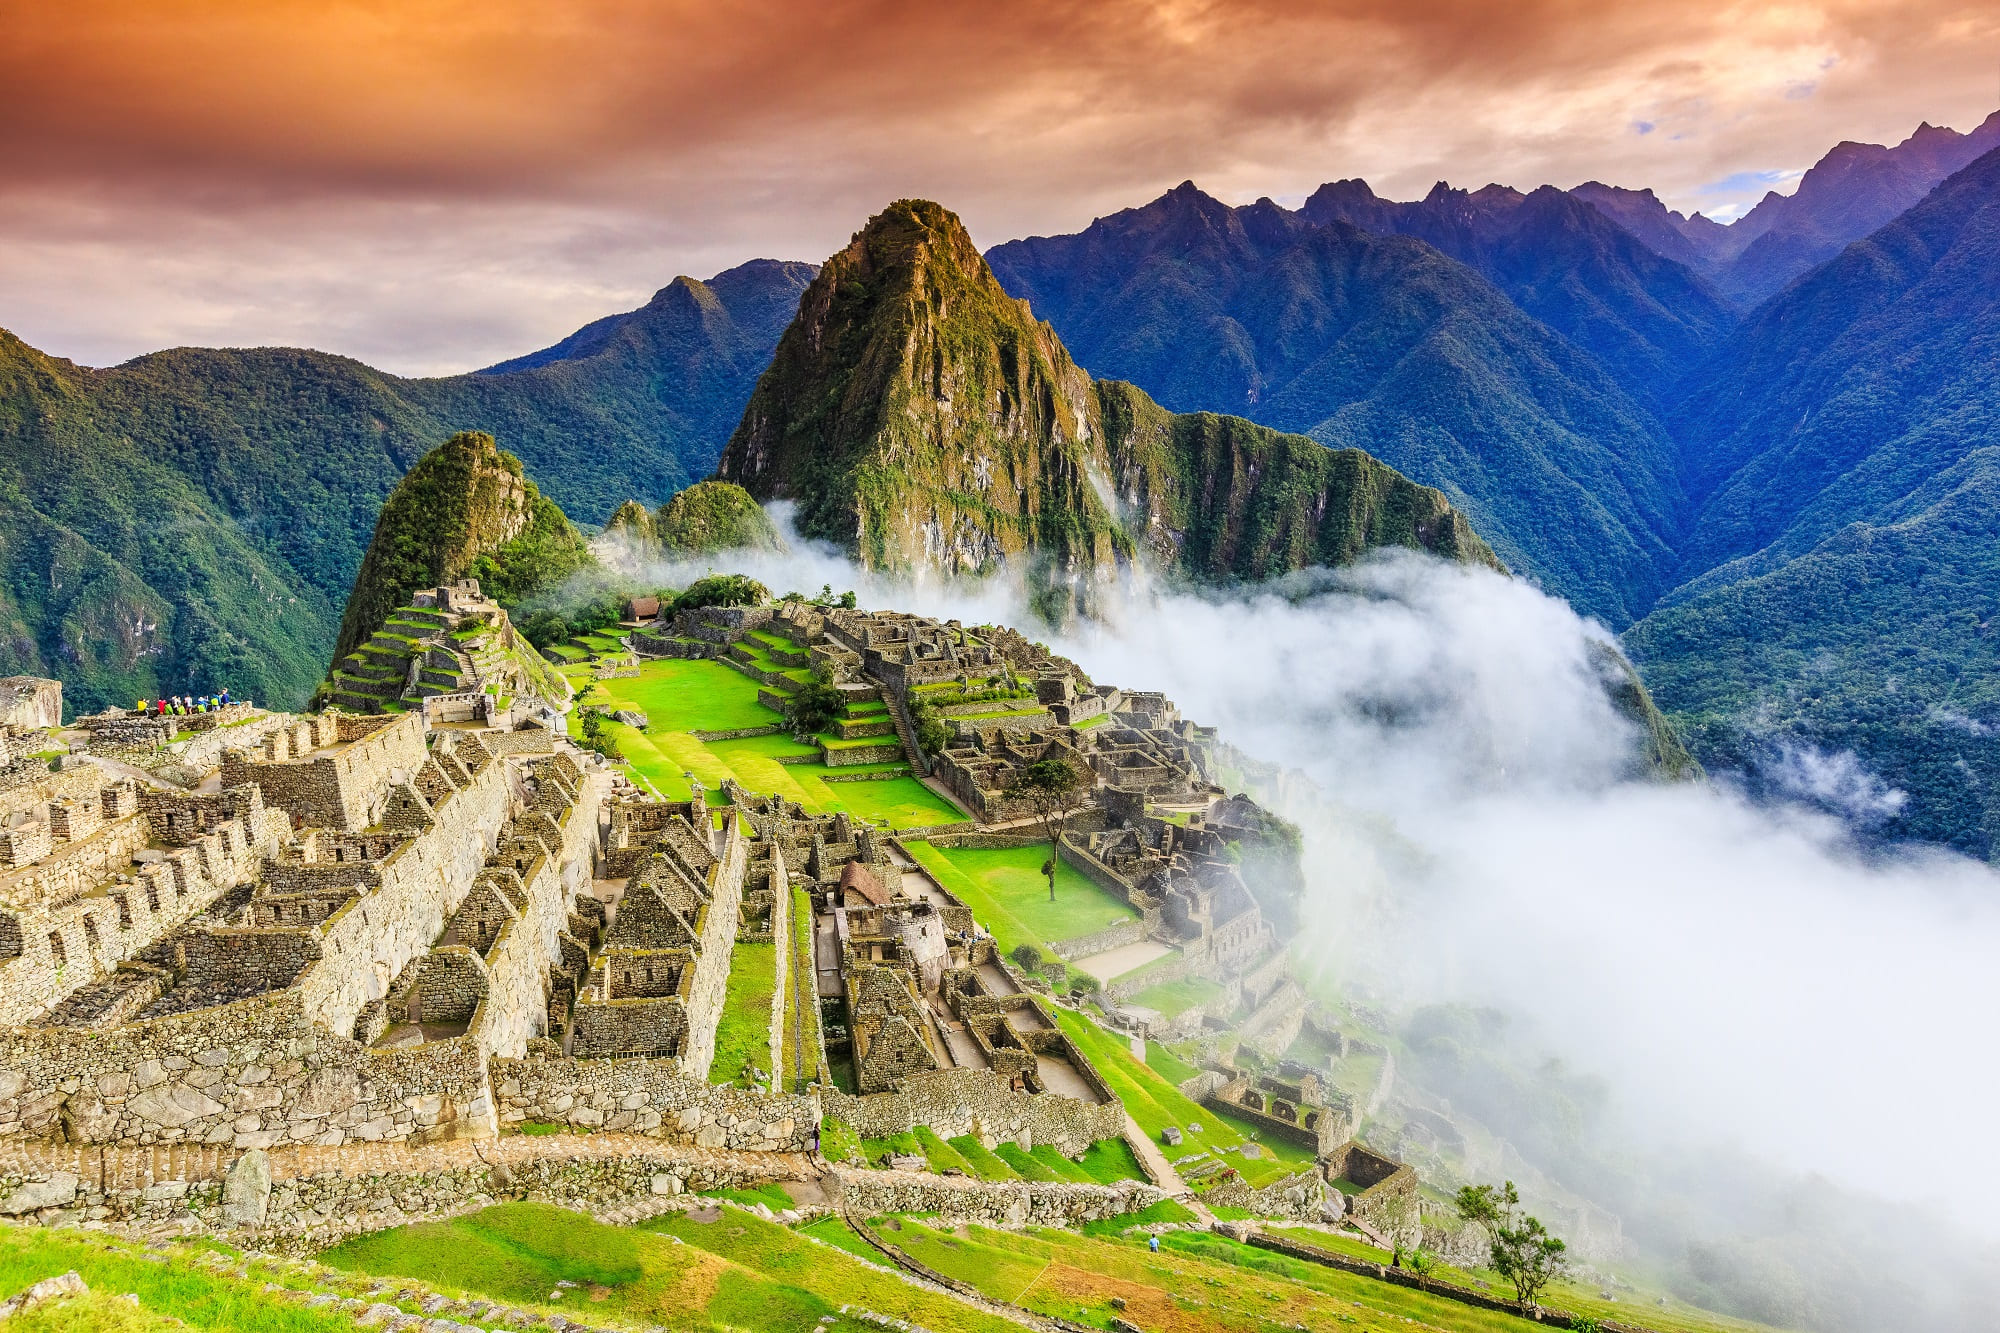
(924, 419)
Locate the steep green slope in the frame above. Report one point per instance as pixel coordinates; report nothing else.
(1384, 344)
(923, 418)
(1842, 560)
(118, 575)
(712, 516)
(465, 510)
(196, 517)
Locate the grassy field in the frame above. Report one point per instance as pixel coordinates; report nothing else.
(1197, 1283)
(1005, 889)
(682, 697)
(802, 1036)
(1641, 1306)
(174, 1291)
(744, 1033)
(1175, 998)
(1154, 1103)
(735, 1272)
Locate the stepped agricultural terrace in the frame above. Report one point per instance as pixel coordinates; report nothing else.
(248, 931)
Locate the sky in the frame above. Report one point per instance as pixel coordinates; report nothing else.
(434, 185)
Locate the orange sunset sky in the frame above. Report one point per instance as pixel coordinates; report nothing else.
(434, 185)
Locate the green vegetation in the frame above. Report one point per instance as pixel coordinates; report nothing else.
(735, 1272)
(1165, 1212)
(743, 1036)
(1174, 998)
(178, 1289)
(220, 500)
(1154, 1104)
(982, 1161)
(722, 590)
(712, 516)
(912, 278)
(1005, 889)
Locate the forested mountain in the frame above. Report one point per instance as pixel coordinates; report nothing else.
(1847, 194)
(1642, 315)
(1383, 344)
(1843, 451)
(923, 419)
(195, 517)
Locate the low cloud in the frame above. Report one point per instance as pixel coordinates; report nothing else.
(1751, 982)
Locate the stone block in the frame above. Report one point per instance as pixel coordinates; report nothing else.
(57, 1190)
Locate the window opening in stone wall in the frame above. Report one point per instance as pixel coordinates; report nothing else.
(56, 947)
(152, 897)
(124, 911)
(90, 933)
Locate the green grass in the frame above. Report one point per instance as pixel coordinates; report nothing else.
(1159, 1214)
(772, 1196)
(802, 1036)
(680, 697)
(1025, 1164)
(833, 1230)
(1110, 1162)
(744, 1033)
(838, 1142)
(517, 1252)
(1154, 1103)
(1002, 1272)
(738, 1272)
(1168, 1065)
(941, 1155)
(1174, 998)
(178, 1289)
(982, 1161)
(1005, 889)
(779, 1282)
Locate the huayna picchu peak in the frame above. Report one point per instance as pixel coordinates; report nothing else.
(922, 418)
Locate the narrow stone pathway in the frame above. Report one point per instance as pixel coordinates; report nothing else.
(1161, 1169)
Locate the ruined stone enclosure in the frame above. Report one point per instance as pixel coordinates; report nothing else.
(420, 918)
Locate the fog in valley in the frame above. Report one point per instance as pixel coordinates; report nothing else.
(1756, 1038)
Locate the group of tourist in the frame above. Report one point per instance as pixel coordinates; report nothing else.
(180, 705)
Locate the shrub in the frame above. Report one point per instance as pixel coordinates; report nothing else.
(814, 706)
(1026, 956)
(722, 590)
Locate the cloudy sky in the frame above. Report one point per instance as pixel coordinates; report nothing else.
(432, 185)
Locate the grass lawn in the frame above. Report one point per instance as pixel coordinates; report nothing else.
(983, 1162)
(736, 1272)
(1197, 1283)
(1154, 1103)
(1175, 998)
(1640, 1306)
(775, 1280)
(1005, 889)
(680, 697)
(802, 1039)
(177, 1290)
(744, 1032)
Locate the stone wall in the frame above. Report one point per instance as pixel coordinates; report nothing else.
(1296, 1198)
(516, 1004)
(710, 983)
(303, 1199)
(979, 1102)
(654, 1098)
(344, 789)
(250, 1074)
(422, 881)
(957, 1199)
(1114, 937)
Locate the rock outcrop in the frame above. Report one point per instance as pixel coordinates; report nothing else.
(923, 418)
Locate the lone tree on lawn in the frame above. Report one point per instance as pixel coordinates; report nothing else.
(1054, 790)
(1523, 1251)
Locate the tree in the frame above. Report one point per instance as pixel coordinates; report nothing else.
(1523, 1251)
(1054, 790)
(814, 706)
(722, 590)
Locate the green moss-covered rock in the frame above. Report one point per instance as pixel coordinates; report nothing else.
(920, 416)
(712, 516)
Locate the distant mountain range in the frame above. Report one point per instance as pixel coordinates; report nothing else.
(1760, 450)
(195, 518)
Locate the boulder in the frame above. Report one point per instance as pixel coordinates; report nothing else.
(246, 1190)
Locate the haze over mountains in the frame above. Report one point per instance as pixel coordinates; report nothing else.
(1786, 506)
